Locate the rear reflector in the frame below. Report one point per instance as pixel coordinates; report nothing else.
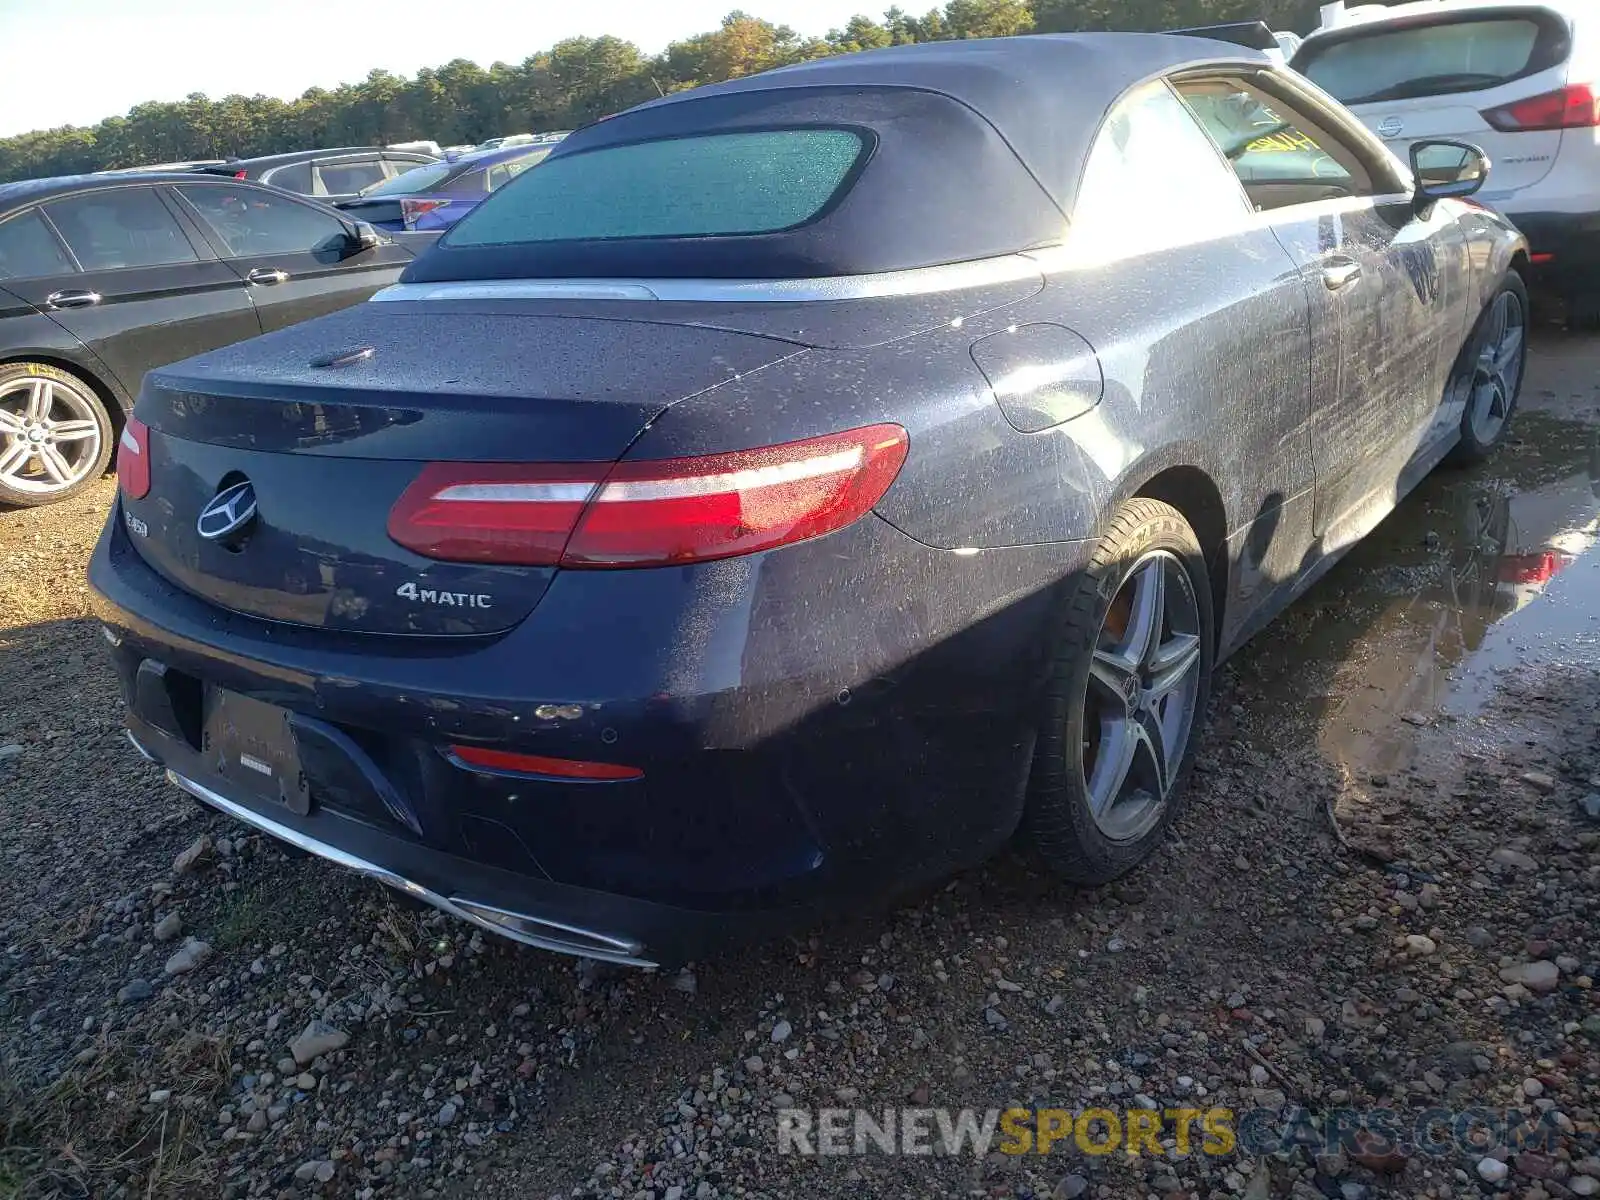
(410, 210)
(650, 512)
(133, 459)
(537, 764)
(1541, 259)
(1575, 106)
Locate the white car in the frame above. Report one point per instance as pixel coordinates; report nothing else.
(1520, 78)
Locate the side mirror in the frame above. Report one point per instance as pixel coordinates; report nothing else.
(362, 237)
(1447, 170)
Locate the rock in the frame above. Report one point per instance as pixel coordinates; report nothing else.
(1377, 1155)
(1070, 1188)
(754, 1065)
(675, 1192)
(160, 1095)
(1540, 977)
(307, 1171)
(306, 1081)
(1492, 1170)
(1507, 857)
(1589, 806)
(1420, 945)
(324, 1172)
(1584, 1185)
(168, 927)
(187, 957)
(10, 751)
(1260, 1076)
(134, 992)
(1539, 781)
(447, 1115)
(1532, 1088)
(257, 1122)
(316, 1039)
(781, 1031)
(1479, 938)
(198, 852)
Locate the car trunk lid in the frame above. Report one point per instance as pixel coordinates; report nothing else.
(329, 422)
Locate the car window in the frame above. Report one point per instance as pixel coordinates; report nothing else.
(412, 182)
(121, 227)
(1280, 157)
(1153, 180)
(503, 173)
(28, 250)
(251, 221)
(703, 185)
(295, 177)
(1427, 60)
(340, 179)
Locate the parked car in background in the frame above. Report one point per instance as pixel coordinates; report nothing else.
(1521, 78)
(103, 277)
(744, 515)
(327, 175)
(194, 164)
(423, 146)
(440, 194)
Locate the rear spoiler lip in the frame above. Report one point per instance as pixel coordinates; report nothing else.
(1253, 35)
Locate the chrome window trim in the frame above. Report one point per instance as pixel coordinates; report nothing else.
(921, 281)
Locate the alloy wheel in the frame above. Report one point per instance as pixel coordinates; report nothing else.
(1141, 696)
(50, 438)
(1497, 373)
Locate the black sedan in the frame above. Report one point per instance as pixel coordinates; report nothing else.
(103, 277)
(746, 513)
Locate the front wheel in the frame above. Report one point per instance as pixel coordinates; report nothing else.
(55, 434)
(1128, 688)
(1489, 373)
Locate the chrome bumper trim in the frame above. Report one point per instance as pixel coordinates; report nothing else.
(519, 927)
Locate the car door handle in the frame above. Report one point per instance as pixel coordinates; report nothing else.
(1340, 273)
(266, 275)
(73, 299)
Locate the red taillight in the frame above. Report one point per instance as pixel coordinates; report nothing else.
(648, 513)
(538, 764)
(241, 174)
(133, 459)
(410, 210)
(1573, 107)
(1534, 568)
(1540, 260)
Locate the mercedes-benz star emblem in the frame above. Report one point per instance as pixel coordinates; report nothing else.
(230, 510)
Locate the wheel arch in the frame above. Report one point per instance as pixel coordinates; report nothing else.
(118, 403)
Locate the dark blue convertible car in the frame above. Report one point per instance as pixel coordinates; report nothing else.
(797, 486)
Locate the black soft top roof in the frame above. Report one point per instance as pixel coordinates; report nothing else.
(978, 147)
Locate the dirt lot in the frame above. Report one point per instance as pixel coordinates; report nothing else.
(1385, 893)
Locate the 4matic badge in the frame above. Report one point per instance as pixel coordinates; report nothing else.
(411, 592)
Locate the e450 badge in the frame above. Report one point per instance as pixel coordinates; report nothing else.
(422, 595)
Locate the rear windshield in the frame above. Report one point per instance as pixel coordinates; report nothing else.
(1460, 55)
(709, 185)
(418, 179)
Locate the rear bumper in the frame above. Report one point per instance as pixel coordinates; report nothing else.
(813, 736)
(1565, 247)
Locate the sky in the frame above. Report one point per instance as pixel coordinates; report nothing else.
(72, 62)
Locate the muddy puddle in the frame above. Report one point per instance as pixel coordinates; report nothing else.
(1479, 576)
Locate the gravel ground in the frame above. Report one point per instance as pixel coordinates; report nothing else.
(187, 1010)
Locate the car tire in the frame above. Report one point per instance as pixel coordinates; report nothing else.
(56, 436)
(1118, 645)
(1490, 371)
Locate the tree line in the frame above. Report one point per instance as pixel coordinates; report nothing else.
(573, 82)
